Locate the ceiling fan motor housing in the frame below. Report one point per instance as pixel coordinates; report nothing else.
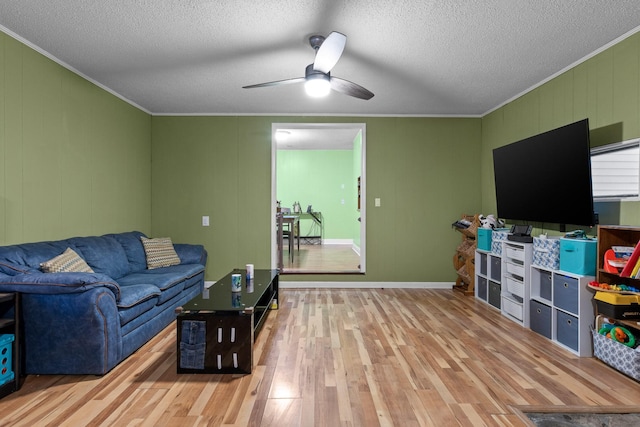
(310, 73)
(316, 41)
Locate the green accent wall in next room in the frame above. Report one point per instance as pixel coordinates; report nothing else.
(323, 179)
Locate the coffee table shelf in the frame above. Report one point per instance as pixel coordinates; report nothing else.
(217, 329)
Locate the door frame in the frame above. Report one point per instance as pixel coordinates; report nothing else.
(363, 181)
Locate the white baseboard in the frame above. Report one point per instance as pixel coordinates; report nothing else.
(337, 241)
(365, 285)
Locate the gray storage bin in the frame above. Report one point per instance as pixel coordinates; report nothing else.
(482, 288)
(567, 329)
(545, 284)
(540, 318)
(494, 294)
(565, 292)
(496, 268)
(483, 264)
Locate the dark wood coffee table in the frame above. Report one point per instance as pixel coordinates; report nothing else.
(216, 329)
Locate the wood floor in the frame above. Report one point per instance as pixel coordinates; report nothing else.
(321, 259)
(327, 357)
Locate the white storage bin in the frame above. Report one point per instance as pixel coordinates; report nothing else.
(515, 253)
(515, 287)
(515, 269)
(512, 308)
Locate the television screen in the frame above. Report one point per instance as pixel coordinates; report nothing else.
(546, 178)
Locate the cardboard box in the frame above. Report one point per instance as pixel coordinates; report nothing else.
(618, 306)
(578, 256)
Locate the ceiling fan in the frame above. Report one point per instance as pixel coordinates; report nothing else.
(317, 77)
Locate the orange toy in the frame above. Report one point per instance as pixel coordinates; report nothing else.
(612, 264)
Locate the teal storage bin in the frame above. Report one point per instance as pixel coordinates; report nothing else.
(578, 256)
(484, 239)
(6, 371)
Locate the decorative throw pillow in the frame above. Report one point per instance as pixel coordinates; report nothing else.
(68, 261)
(160, 252)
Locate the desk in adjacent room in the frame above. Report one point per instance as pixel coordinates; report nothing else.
(293, 223)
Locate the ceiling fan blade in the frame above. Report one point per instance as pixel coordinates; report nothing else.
(277, 83)
(329, 52)
(350, 88)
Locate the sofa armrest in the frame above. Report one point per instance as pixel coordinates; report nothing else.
(58, 283)
(71, 333)
(191, 254)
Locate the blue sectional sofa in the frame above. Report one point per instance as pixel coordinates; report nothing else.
(87, 323)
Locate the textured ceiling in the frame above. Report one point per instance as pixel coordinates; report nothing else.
(455, 57)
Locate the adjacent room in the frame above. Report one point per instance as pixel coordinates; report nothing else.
(319, 213)
(322, 165)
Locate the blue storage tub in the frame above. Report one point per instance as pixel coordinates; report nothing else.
(578, 256)
(484, 239)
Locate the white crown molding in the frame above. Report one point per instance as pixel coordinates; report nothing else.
(69, 67)
(564, 70)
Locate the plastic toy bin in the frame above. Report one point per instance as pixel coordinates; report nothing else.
(6, 371)
(618, 306)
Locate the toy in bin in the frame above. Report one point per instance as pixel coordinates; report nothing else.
(618, 333)
(613, 263)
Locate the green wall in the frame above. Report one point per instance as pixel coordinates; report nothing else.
(220, 167)
(605, 89)
(424, 170)
(77, 160)
(74, 159)
(322, 178)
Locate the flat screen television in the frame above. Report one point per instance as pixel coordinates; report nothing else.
(546, 178)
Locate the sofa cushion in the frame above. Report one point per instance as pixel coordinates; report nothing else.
(170, 284)
(104, 254)
(186, 271)
(190, 254)
(135, 300)
(68, 261)
(130, 242)
(159, 252)
(31, 255)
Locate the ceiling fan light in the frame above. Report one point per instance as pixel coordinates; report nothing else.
(317, 86)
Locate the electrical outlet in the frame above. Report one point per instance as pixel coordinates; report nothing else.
(205, 221)
(377, 202)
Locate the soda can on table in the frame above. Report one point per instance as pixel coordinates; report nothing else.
(236, 282)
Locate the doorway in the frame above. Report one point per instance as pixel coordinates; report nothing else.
(320, 169)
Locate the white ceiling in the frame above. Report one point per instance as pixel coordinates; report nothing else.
(313, 136)
(422, 57)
